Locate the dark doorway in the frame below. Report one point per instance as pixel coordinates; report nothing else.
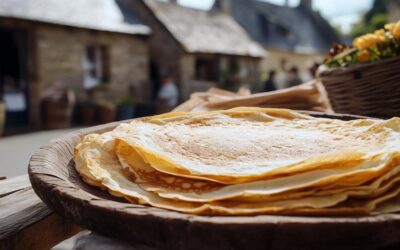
(207, 69)
(13, 76)
(155, 79)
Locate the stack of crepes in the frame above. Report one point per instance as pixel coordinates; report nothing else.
(247, 161)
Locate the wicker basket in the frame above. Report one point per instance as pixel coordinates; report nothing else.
(371, 89)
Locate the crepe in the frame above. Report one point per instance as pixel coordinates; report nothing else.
(181, 188)
(353, 170)
(95, 159)
(220, 146)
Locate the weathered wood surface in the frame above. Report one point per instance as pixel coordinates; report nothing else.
(55, 180)
(94, 241)
(8, 186)
(25, 221)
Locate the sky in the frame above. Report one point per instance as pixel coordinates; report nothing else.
(343, 13)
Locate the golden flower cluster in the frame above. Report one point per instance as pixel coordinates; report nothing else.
(370, 40)
(394, 29)
(371, 47)
(363, 55)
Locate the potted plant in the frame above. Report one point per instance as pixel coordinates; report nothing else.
(106, 110)
(126, 109)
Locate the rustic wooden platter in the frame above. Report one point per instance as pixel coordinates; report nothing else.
(56, 182)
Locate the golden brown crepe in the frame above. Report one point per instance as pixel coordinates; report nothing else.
(176, 187)
(220, 146)
(248, 161)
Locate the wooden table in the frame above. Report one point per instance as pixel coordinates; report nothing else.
(27, 223)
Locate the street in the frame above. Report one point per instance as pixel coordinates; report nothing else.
(15, 151)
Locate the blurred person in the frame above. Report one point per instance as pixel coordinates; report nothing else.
(270, 83)
(282, 76)
(313, 70)
(168, 95)
(293, 77)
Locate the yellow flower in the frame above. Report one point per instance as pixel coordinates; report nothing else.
(363, 55)
(369, 40)
(389, 26)
(394, 28)
(361, 42)
(380, 35)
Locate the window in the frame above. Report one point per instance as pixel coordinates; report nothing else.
(264, 24)
(283, 31)
(207, 69)
(95, 66)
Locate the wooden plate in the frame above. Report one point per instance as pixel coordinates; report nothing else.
(54, 179)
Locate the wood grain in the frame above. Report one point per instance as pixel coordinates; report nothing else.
(56, 182)
(25, 221)
(15, 184)
(95, 241)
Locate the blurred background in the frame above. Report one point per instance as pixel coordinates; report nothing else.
(78, 63)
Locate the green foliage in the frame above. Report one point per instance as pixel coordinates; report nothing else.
(377, 22)
(378, 7)
(374, 19)
(362, 27)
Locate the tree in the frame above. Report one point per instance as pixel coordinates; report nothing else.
(374, 19)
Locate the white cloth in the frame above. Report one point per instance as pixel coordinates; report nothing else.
(169, 93)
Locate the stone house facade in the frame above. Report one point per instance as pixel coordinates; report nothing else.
(77, 51)
(198, 48)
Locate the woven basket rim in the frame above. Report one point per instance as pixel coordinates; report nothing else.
(325, 71)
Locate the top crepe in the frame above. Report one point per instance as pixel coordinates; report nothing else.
(248, 144)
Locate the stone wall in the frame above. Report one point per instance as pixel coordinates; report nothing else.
(169, 56)
(56, 54)
(60, 56)
(187, 69)
(249, 76)
(165, 51)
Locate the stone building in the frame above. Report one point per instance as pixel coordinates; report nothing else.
(76, 45)
(198, 48)
(295, 36)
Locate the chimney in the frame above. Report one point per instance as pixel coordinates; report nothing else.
(306, 3)
(223, 6)
(287, 3)
(173, 1)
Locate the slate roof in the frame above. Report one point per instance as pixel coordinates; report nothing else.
(298, 29)
(104, 15)
(200, 31)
